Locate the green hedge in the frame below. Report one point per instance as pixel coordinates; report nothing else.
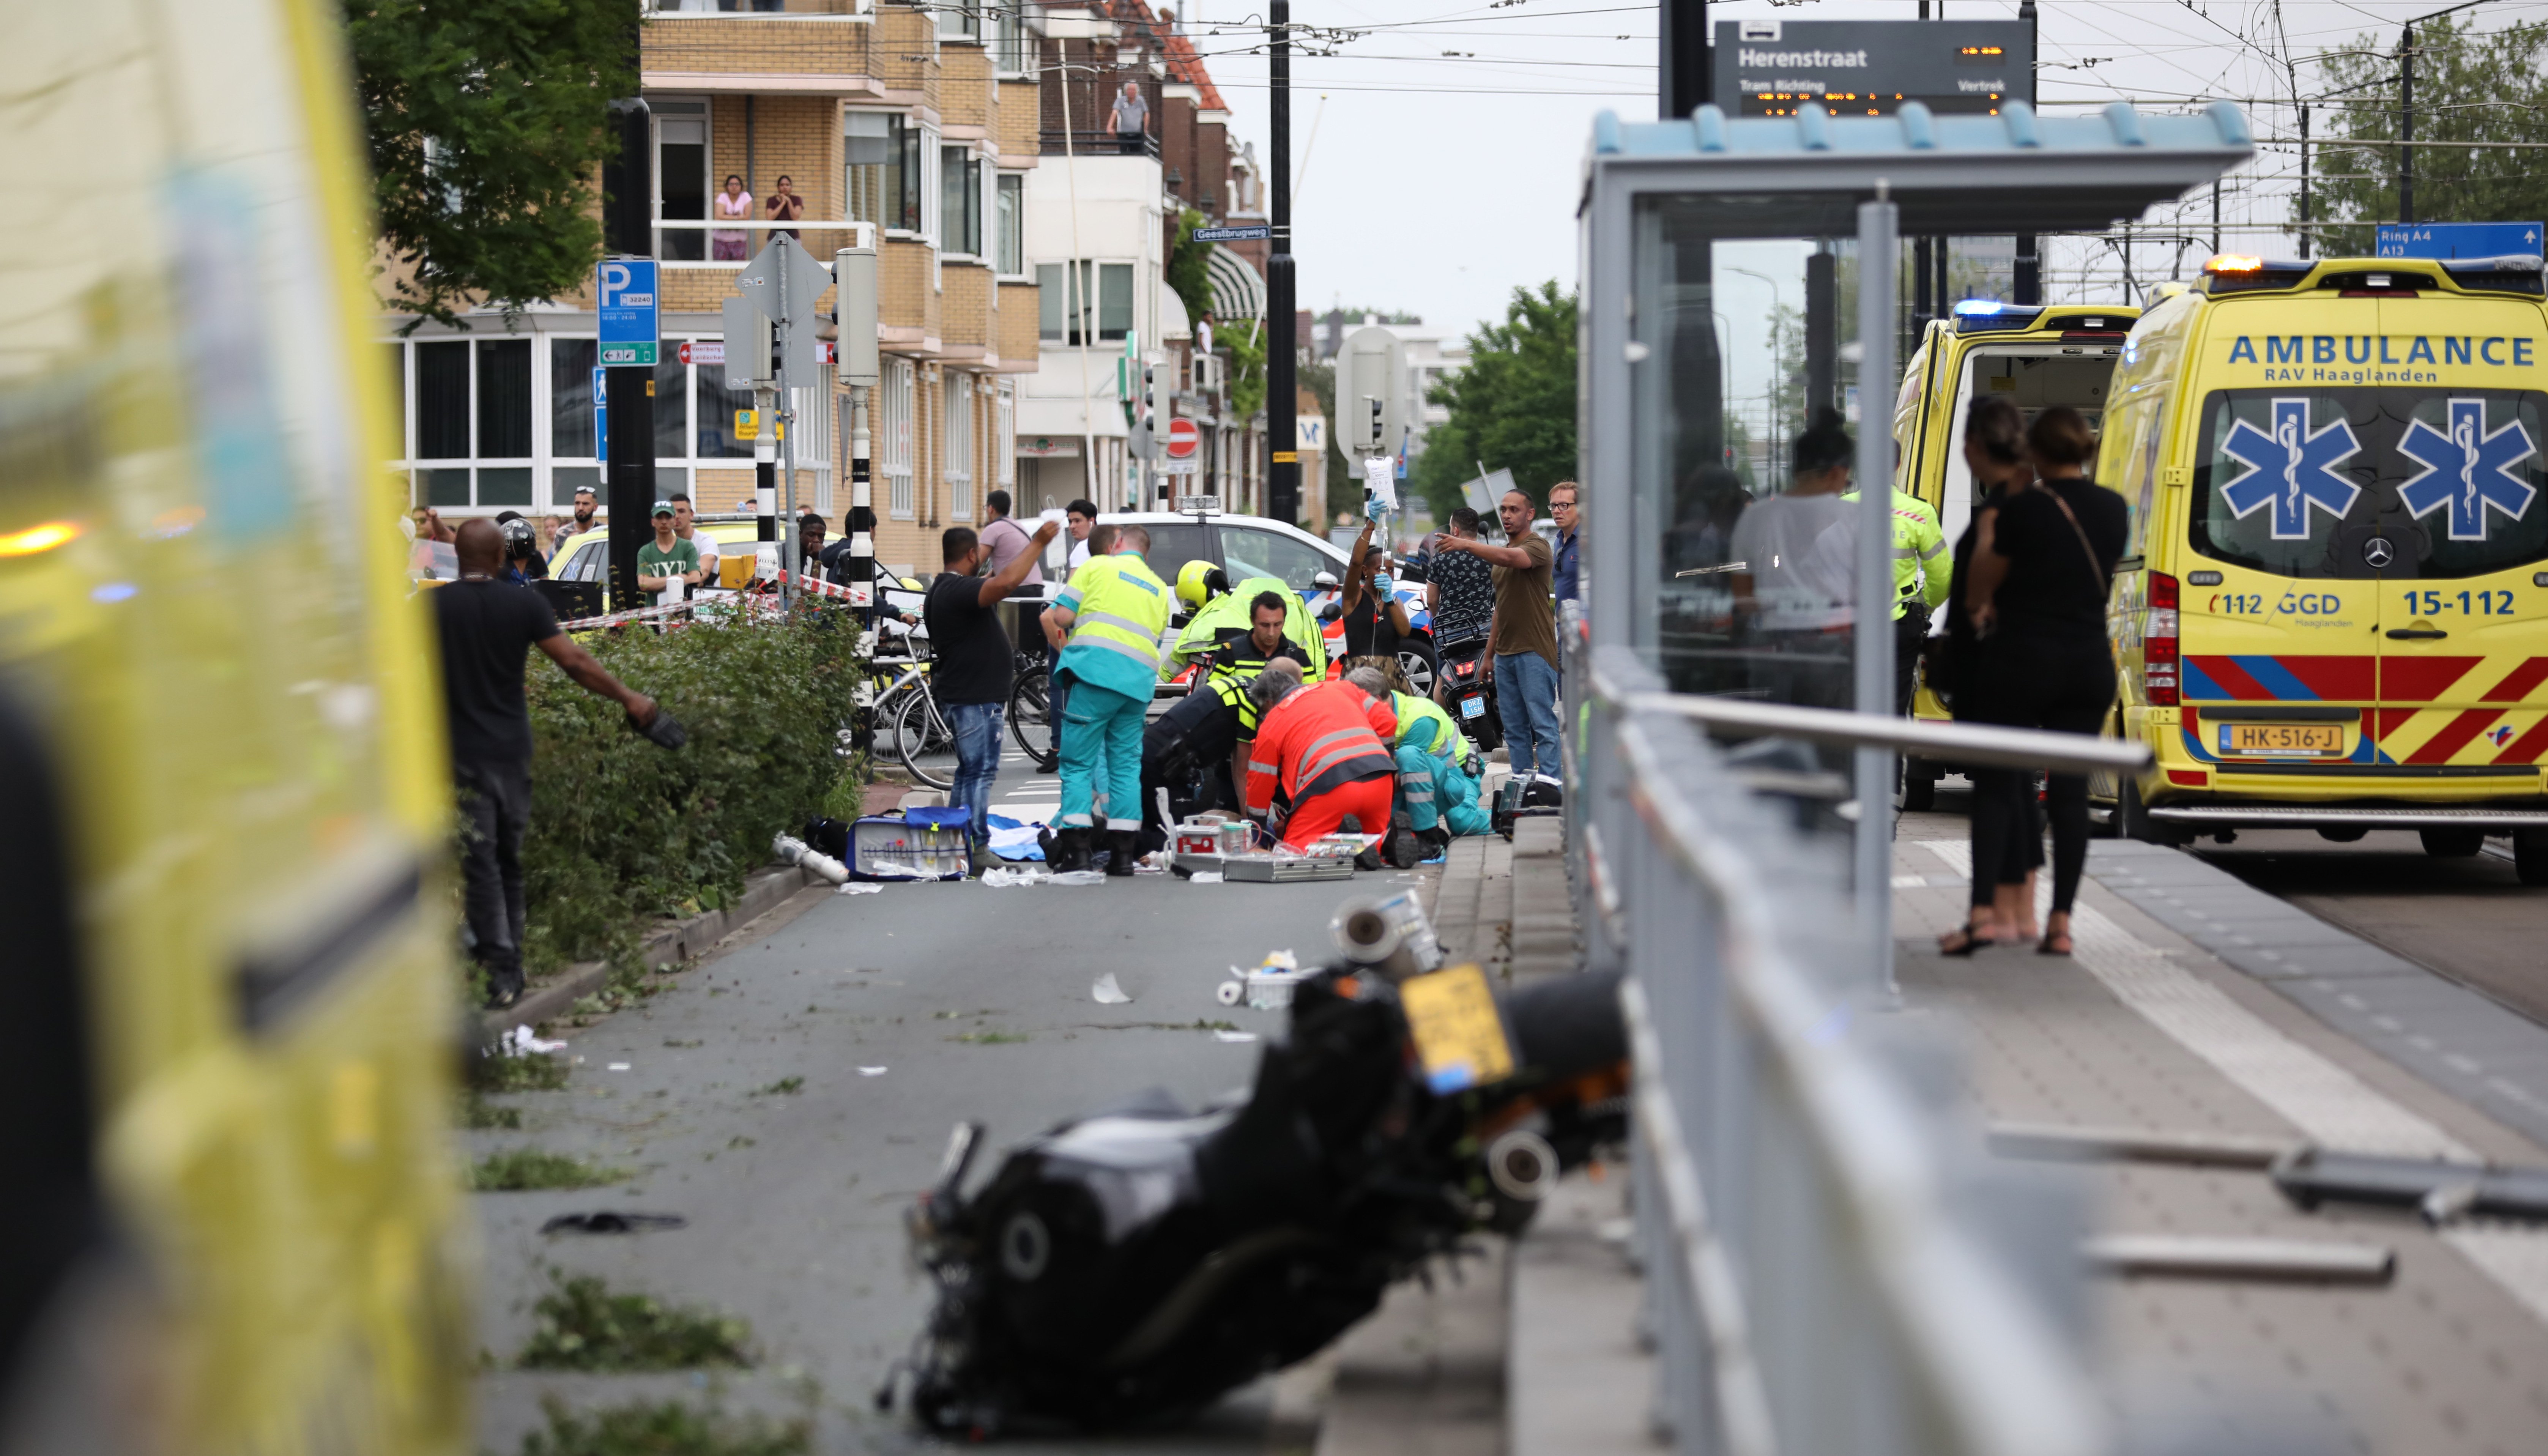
(622, 830)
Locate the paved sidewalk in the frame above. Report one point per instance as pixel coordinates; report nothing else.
(2155, 1026)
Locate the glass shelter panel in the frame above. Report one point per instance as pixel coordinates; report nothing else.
(1743, 460)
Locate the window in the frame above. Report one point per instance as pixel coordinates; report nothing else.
(442, 402)
(672, 410)
(1249, 552)
(1172, 547)
(960, 20)
(884, 168)
(473, 404)
(570, 366)
(1114, 301)
(715, 405)
(586, 563)
(899, 387)
(960, 445)
(681, 176)
(1013, 56)
(1064, 301)
(1004, 437)
(960, 201)
(1009, 223)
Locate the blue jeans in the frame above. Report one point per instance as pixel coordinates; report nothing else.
(1526, 699)
(977, 757)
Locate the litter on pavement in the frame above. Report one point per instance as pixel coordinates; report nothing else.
(523, 1042)
(872, 1072)
(1001, 877)
(608, 1221)
(619, 1066)
(860, 887)
(1267, 986)
(1219, 1035)
(1108, 994)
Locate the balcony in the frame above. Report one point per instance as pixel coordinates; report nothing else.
(757, 9)
(1098, 142)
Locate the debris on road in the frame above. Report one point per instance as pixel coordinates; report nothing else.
(793, 850)
(1234, 1035)
(872, 1072)
(608, 1222)
(523, 1042)
(859, 888)
(1108, 994)
(1001, 877)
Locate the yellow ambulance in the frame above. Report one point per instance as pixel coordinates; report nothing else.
(2038, 355)
(233, 1219)
(2333, 609)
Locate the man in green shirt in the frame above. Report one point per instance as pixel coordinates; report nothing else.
(666, 565)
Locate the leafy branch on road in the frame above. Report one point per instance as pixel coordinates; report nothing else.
(784, 1087)
(526, 1169)
(661, 1428)
(991, 1038)
(580, 1325)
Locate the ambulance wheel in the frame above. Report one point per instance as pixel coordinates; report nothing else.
(2530, 856)
(2132, 821)
(2452, 843)
(1919, 786)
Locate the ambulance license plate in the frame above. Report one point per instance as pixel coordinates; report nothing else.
(2284, 740)
(1473, 707)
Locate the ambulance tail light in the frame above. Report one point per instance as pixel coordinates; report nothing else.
(2158, 642)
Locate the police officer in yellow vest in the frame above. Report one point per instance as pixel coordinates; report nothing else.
(1106, 625)
(1920, 582)
(1238, 631)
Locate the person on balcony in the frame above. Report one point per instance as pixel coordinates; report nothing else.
(1131, 120)
(787, 207)
(731, 245)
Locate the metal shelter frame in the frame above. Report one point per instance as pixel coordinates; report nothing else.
(1817, 1280)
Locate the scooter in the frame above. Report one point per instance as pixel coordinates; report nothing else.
(1137, 1263)
(1470, 694)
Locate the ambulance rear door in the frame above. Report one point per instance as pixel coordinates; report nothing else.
(2461, 549)
(2038, 376)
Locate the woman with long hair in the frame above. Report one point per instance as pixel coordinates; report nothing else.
(2007, 844)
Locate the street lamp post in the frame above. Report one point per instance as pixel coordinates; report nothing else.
(1283, 442)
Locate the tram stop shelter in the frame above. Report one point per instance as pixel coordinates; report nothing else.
(1818, 1277)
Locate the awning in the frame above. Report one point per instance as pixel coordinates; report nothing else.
(1238, 288)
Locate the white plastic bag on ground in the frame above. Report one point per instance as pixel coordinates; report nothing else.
(1108, 994)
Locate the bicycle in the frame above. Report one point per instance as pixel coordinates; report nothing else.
(1031, 722)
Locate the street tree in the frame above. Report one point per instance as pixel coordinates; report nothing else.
(487, 124)
(1512, 407)
(2470, 87)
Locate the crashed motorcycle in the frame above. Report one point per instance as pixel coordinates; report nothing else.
(1132, 1265)
(1470, 695)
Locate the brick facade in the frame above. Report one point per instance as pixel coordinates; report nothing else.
(777, 92)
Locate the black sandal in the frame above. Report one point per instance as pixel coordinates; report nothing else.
(1975, 939)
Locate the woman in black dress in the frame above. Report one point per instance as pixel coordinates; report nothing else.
(2006, 835)
(2037, 595)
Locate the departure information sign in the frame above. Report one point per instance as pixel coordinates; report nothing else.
(1869, 67)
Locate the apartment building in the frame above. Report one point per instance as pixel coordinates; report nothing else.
(919, 120)
(1103, 215)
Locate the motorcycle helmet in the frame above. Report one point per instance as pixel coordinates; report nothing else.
(1194, 581)
(519, 539)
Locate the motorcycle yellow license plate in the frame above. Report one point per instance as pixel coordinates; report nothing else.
(1459, 1036)
(2293, 740)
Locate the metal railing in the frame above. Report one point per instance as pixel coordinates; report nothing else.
(757, 231)
(1833, 1266)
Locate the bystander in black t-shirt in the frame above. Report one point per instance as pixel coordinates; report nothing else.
(2051, 590)
(972, 656)
(488, 629)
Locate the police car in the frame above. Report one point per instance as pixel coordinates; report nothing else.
(2332, 611)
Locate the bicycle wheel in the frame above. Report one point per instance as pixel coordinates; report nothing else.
(1031, 718)
(922, 740)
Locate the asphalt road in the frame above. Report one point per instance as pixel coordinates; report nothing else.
(967, 1002)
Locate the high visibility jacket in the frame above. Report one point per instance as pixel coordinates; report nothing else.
(1220, 631)
(1421, 722)
(1324, 735)
(1118, 609)
(1919, 553)
(1204, 726)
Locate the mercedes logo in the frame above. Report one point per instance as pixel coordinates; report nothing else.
(2377, 552)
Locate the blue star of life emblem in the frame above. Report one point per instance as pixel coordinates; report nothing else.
(2467, 470)
(2290, 469)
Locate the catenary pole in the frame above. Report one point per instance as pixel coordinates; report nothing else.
(1282, 431)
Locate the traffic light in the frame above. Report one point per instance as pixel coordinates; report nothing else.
(854, 316)
(1141, 440)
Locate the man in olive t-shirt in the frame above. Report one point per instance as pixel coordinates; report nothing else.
(1522, 642)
